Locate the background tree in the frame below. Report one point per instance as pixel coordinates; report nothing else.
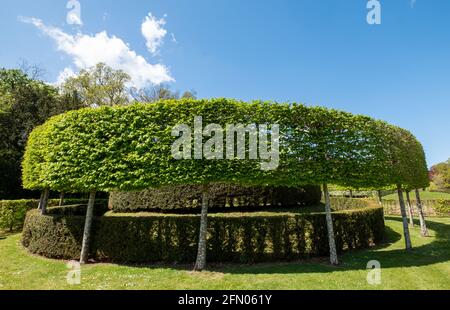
(158, 92)
(24, 104)
(33, 71)
(440, 176)
(100, 85)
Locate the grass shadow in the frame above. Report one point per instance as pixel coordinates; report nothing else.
(5, 234)
(434, 252)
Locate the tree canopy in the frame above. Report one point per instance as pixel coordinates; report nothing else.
(440, 175)
(24, 104)
(98, 86)
(129, 148)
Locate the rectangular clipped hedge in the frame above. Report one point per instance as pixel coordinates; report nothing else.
(13, 212)
(173, 238)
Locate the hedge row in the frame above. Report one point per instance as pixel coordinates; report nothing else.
(442, 207)
(130, 148)
(429, 207)
(188, 198)
(231, 238)
(342, 203)
(13, 212)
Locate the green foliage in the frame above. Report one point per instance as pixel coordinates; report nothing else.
(231, 237)
(13, 212)
(230, 197)
(440, 175)
(129, 148)
(342, 203)
(429, 263)
(98, 86)
(24, 104)
(442, 207)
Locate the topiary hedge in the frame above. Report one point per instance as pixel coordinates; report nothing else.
(232, 237)
(129, 148)
(187, 198)
(13, 212)
(132, 148)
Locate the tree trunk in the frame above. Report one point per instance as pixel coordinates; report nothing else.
(351, 194)
(423, 224)
(201, 254)
(380, 200)
(45, 196)
(410, 210)
(41, 200)
(87, 229)
(329, 219)
(61, 199)
(405, 220)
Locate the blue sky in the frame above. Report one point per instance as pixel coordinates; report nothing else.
(318, 52)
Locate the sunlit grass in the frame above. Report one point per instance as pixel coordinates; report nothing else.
(426, 267)
(424, 195)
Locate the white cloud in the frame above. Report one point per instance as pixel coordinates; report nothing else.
(153, 32)
(64, 75)
(88, 50)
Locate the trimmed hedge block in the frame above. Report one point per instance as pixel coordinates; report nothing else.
(13, 212)
(232, 237)
(187, 198)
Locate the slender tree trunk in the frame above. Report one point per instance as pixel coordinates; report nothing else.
(380, 200)
(329, 219)
(423, 224)
(405, 220)
(201, 254)
(351, 193)
(87, 228)
(45, 201)
(410, 210)
(41, 200)
(61, 199)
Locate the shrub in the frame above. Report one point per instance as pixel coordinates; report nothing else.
(442, 207)
(13, 212)
(342, 203)
(232, 237)
(188, 197)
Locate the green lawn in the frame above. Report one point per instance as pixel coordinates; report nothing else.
(427, 267)
(423, 195)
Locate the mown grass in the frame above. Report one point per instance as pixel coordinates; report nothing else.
(424, 195)
(426, 267)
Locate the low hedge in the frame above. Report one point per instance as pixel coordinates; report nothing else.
(442, 207)
(430, 207)
(232, 237)
(13, 212)
(342, 203)
(187, 198)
